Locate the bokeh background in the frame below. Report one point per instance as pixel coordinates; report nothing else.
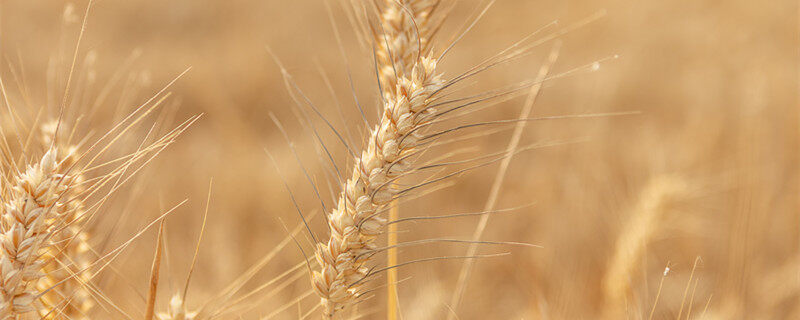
(713, 156)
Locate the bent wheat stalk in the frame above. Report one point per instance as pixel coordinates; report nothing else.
(355, 224)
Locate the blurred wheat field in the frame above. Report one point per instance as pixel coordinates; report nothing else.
(687, 210)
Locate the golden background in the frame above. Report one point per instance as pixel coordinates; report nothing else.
(716, 84)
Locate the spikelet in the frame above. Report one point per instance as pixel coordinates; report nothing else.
(355, 223)
(406, 29)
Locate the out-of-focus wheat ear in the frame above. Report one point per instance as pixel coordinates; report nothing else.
(643, 223)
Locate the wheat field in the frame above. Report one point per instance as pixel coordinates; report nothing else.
(399, 159)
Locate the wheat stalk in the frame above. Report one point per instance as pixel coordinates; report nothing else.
(355, 223)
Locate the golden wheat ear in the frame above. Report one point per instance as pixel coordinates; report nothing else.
(645, 220)
(48, 205)
(31, 205)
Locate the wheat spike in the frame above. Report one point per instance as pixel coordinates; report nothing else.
(354, 224)
(631, 243)
(34, 206)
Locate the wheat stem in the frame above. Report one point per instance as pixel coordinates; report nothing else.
(391, 275)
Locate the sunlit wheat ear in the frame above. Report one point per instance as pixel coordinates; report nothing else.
(645, 217)
(354, 224)
(33, 205)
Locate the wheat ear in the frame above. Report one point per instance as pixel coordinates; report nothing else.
(355, 223)
(635, 235)
(34, 204)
